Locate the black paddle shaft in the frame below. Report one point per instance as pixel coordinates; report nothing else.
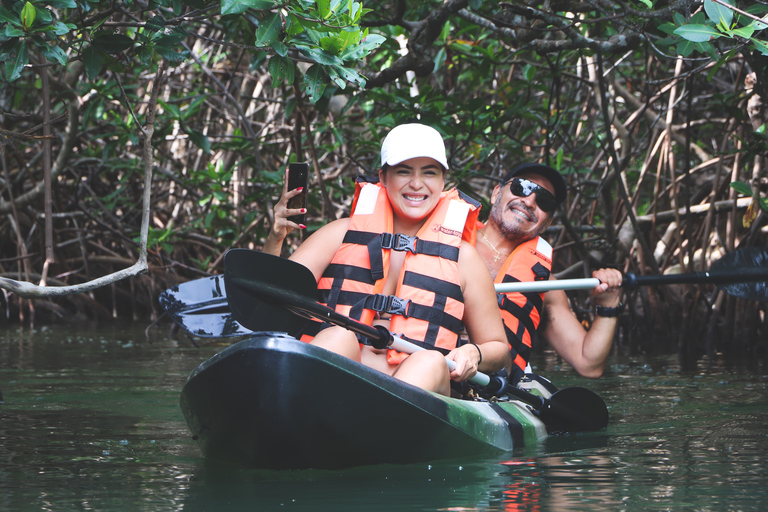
(379, 337)
(750, 274)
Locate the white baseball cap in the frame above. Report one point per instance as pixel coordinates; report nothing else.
(412, 141)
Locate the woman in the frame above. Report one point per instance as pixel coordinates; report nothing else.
(405, 260)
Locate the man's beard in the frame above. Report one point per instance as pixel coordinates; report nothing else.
(511, 231)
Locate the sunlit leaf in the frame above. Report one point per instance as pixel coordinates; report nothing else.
(697, 33)
(751, 214)
(28, 15)
(745, 32)
(648, 3)
(719, 13)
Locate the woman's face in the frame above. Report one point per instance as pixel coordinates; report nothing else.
(414, 187)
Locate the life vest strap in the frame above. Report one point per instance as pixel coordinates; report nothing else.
(523, 314)
(391, 304)
(397, 242)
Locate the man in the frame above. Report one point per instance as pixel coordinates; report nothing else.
(523, 206)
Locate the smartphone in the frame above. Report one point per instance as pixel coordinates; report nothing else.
(298, 176)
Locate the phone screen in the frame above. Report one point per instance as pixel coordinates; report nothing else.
(298, 176)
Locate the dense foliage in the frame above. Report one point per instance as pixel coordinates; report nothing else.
(651, 110)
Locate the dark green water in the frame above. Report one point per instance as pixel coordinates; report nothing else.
(91, 422)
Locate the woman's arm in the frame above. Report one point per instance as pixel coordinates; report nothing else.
(481, 318)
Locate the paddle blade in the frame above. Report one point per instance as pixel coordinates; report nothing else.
(575, 410)
(261, 270)
(200, 307)
(745, 261)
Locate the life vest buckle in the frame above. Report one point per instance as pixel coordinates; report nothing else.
(398, 242)
(501, 298)
(391, 304)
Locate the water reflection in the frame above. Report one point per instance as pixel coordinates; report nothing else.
(91, 422)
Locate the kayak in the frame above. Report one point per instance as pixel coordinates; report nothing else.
(273, 402)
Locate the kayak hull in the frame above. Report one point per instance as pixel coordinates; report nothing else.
(274, 402)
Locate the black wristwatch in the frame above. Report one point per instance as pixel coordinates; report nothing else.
(609, 312)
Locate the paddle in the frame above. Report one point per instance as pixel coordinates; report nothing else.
(741, 273)
(258, 299)
(201, 307)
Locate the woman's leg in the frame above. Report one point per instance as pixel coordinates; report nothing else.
(339, 340)
(426, 369)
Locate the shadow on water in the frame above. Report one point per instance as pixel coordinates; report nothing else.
(91, 422)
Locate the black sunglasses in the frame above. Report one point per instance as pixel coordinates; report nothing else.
(544, 198)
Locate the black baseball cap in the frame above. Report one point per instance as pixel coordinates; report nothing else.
(554, 177)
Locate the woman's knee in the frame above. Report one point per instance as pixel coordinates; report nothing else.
(340, 341)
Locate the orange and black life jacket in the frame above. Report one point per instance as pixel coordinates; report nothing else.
(521, 312)
(428, 306)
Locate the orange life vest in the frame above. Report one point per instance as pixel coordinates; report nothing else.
(428, 306)
(521, 312)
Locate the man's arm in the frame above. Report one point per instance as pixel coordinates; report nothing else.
(585, 351)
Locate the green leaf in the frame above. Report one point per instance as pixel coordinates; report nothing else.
(718, 13)
(745, 32)
(764, 204)
(281, 70)
(62, 4)
(173, 110)
(112, 43)
(314, 84)
(685, 48)
(92, 62)
(741, 188)
(368, 44)
(324, 8)
(9, 17)
(61, 29)
(14, 66)
(28, 15)
(529, 72)
(350, 75)
(200, 140)
(697, 33)
(322, 57)
(240, 6)
(269, 28)
(647, 3)
(155, 24)
(12, 31)
(280, 48)
(760, 25)
(761, 46)
(54, 53)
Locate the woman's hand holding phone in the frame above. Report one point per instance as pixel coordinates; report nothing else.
(283, 225)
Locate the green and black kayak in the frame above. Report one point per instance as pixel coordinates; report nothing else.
(277, 403)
